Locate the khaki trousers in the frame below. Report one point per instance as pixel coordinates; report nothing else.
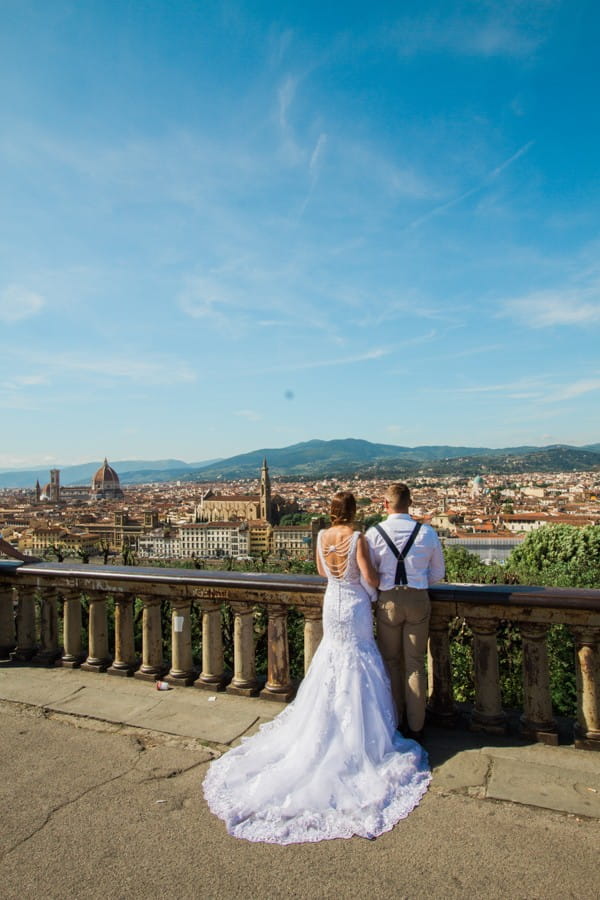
(402, 630)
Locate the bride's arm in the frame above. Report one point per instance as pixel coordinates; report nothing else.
(363, 557)
(320, 567)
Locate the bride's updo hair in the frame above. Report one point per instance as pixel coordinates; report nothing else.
(343, 508)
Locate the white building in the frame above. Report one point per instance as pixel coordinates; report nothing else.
(159, 545)
(213, 539)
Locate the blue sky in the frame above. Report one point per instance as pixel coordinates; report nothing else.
(232, 225)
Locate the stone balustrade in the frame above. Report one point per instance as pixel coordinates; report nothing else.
(41, 624)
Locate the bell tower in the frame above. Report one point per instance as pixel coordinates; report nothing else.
(55, 485)
(265, 492)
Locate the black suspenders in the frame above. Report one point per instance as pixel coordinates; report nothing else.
(400, 577)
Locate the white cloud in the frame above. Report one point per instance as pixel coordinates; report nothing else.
(249, 414)
(376, 353)
(317, 154)
(465, 35)
(18, 303)
(545, 309)
(158, 370)
(575, 389)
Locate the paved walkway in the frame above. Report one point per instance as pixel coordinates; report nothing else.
(101, 797)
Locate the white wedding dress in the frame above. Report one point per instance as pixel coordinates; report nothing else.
(332, 764)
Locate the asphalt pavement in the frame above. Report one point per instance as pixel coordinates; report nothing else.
(101, 797)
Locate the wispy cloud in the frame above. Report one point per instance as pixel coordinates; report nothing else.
(489, 178)
(249, 414)
(369, 355)
(550, 308)
(17, 303)
(486, 35)
(161, 369)
(575, 389)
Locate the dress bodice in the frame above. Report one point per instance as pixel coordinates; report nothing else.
(348, 572)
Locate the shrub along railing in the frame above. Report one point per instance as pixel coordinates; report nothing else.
(41, 623)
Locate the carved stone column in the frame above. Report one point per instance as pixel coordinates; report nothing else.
(244, 679)
(8, 635)
(488, 714)
(26, 631)
(313, 632)
(182, 666)
(212, 677)
(124, 663)
(587, 668)
(279, 686)
(440, 704)
(152, 668)
(73, 654)
(49, 651)
(98, 659)
(537, 721)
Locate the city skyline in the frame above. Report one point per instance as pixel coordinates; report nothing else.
(226, 229)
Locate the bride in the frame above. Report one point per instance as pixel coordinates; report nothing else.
(332, 764)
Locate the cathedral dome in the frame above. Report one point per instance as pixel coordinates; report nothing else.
(105, 482)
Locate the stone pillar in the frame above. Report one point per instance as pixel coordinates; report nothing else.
(440, 703)
(73, 655)
(49, 650)
(125, 662)
(212, 677)
(26, 631)
(152, 668)
(313, 632)
(98, 659)
(279, 686)
(587, 667)
(182, 666)
(244, 679)
(537, 721)
(488, 714)
(8, 635)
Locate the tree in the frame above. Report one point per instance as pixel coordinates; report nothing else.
(559, 556)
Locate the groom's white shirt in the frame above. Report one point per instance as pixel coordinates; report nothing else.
(425, 560)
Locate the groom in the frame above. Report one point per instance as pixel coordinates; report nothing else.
(408, 557)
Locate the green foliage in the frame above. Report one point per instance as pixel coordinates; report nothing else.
(559, 556)
(371, 520)
(463, 567)
(297, 518)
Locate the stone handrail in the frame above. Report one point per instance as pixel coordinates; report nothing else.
(29, 631)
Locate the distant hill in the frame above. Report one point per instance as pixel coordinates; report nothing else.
(127, 469)
(313, 459)
(343, 457)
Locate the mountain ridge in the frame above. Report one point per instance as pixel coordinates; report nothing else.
(318, 458)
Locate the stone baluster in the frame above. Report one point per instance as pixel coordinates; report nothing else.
(440, 704)
(48, 651)
(587, 668)
(279, 686)
(313, 632)
(125, 662)
(152, 667)
(488, 714)
(182, 665)
(98, 659)
(537, 721)
(212, 677)
(8, 634)
(244, 679)
(73, 654)
(25, 622)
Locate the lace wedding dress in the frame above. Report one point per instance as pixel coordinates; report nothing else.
(332, 764)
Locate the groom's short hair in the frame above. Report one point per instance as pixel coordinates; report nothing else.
(398, 496)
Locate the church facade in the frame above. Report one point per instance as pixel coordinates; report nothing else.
(238, 507)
